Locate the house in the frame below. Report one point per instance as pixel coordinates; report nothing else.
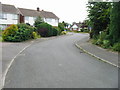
(49, 17)
(29, 16)
(76, 26)
(8, 15)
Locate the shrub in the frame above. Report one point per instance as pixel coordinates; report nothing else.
(24, 32)
(11, 30)
(45, 30)
(35, 35)
(106, 44)
(38, 21)
(58, 30)
(116, 47)
(63, 33)
(55, 31)
(61, 26)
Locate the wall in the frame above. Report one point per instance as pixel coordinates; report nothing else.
(53, 22)
(9, 20)
(31, 20)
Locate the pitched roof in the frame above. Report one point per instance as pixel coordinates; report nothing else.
(77, 24)
(28, 12)
(47, 14)
(44, 14)
(9, 9)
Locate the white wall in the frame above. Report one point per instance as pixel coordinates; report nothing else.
(9, 19)
(53, 22)
(31, 20)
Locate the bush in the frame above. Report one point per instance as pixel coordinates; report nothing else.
(38, 21)
(63, 33)
(61, 26)
(45, 30)
(23, 32)
(35, 35)
(116, 47)
(106, 44)
(55, 31)
(11, 30)
(58, 30)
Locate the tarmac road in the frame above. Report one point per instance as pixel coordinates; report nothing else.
(57, 63)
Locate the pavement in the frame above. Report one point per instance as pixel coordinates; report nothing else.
(57, 63)
(104, 55)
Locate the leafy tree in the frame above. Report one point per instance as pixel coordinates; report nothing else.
(114, 34)
(61, 26)
(38, 21)
(99, 13)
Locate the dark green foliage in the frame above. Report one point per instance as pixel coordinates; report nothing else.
(116, 47)
(38, 21)
(55, 31)
(99, 13)
(114, 34)
(61, 26)
(58, 30)
(45, 30)
(23, 33)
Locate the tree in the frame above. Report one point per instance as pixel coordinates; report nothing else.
(99, 13)
(61, 26)
(114, 34)
(38, 21)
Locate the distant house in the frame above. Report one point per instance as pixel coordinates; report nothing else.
(76, 27)
(29, 16)
(8, 15)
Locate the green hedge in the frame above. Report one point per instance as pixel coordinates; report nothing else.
(19, 33)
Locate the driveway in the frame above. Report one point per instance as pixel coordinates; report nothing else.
(57, 63)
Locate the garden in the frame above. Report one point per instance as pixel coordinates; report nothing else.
(104, 19)
(22, 32)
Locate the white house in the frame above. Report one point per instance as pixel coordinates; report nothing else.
(49, 17)
(8, 15)
(76, 27)
(29, 16)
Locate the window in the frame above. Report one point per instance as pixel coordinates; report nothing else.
(27, 18)
(34, 18)
(15, 17)
(0, 15)
(49, 20)
(4, 16)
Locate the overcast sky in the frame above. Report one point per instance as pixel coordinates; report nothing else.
(67, 10)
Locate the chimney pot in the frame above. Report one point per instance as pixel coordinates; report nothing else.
(38, 9)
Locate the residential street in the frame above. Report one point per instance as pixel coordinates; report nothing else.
(58, 63)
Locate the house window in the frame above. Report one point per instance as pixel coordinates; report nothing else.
(34, 18)
(26, 18)
(4, 16)
(15, 17)
(0, 15)
(48, 20)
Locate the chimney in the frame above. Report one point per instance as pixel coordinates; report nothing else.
(38, 9)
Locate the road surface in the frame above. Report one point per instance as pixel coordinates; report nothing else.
(57, 63)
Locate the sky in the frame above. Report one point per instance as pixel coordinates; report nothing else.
(67, 10)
